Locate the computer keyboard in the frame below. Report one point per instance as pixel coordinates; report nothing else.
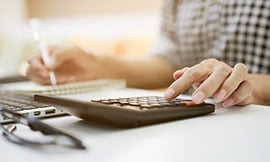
(26, 105)
(19, 104)
(131, 111)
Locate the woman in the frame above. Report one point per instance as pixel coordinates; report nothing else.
(222, 48)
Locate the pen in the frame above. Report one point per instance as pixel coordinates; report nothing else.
(35, 27)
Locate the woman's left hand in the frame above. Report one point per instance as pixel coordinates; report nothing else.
(213, 78)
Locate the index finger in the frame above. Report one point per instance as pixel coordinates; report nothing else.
(36, 64)
(191, 75)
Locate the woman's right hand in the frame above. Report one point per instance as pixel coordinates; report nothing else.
(69, 65)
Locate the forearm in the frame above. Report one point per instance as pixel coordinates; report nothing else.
(261, 86)
(140, 73)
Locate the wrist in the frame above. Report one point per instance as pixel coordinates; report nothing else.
(108, 66)
(261, 93)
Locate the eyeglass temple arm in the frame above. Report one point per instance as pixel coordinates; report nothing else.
(46, 129)
(36, 125)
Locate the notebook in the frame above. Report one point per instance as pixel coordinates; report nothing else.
(30, 87)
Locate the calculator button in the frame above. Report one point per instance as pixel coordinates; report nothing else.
(143, 103)
(188, 103)
(123, 101)
(146, 106)
(134, 103)
(130, 107)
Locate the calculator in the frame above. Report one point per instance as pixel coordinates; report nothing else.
(131, 111)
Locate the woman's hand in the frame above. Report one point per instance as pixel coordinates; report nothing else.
(213, 78)
(69, 65)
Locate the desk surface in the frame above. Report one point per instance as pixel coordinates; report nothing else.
(239, 134)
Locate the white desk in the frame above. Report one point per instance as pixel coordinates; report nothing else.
(235, 134)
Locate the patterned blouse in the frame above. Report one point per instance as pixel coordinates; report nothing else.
(232, 31)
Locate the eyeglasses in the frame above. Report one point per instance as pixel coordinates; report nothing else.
(53, 135)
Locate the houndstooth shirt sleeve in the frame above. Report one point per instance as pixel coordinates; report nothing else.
(233, 31)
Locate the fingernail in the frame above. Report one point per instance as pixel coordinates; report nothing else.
(169, 93)
(220, 96)
(198, 97)
(228, 103)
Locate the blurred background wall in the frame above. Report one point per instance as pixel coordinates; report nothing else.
(58, 8)
(115, 27)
